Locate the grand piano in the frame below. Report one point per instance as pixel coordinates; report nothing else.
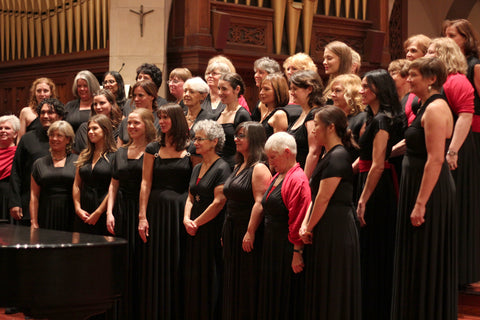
(60, 275)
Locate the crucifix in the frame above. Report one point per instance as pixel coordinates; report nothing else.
(141, 14)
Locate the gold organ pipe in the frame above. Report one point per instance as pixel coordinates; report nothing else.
(91, 20)
(294, 10)
(76, 9)
(104, 21)
(69, 14)
(61, 25)
(327, 7)
(12, 30)
(260, 3)
(24, 29)
(308, 12)
(84, 23)
(38, 27)
(364, 9)
(338, 6)
(54, 26)
(31, 27)
(46, 28)
(2, 31)
(347, 8)
(278, 21)
(18, 28)
(97, 22)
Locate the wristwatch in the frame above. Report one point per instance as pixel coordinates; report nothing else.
(452, 153)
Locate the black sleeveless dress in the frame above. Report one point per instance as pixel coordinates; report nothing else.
(425, 276)
(203, 252)
(240, 282)
(281, 290)
(128, 172)
(55, 204)
(94, 189)
(332, 261)
(162, 257)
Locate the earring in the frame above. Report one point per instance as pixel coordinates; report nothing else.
(429, 88)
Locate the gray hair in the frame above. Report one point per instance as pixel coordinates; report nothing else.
(220, 66)
(14, 121)
(267, 64)
(92, 82)
(213, 130)
(197, 84)
(280, 141)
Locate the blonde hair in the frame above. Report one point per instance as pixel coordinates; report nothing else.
(351, 84)
(64, 128)
(450, 54)
(300, 61)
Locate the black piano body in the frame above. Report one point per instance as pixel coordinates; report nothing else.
(60, 275)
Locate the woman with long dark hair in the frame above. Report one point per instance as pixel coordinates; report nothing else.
(376, 191)
(113, 82)
(92, 178)
(332, 269)
(242, 239)
(163, 193)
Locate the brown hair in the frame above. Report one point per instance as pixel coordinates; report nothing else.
(150, 88)
(179, 133)
(116, 114)
(431, 67)
(466, 30)
(108, 143)
(280, 88)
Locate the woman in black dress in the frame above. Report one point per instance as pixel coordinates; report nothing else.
(92, 179)
(242, 240)
(306, 88)
(103, 103)
(332, 269)
(9, 127)
(123, 193)
(284, 204)
(230, 87)
(203, 222)
(377, 192)
(274, 96)
(51, 203)
(78, 111)
(425, 277)
(163, 192)
(465, 36)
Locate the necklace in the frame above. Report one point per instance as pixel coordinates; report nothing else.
(59, 158)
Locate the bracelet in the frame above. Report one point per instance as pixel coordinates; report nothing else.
(298, 251)
(451, 152)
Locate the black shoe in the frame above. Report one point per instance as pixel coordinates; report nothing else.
(11, 310)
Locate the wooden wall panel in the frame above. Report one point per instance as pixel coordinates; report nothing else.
(17, 76)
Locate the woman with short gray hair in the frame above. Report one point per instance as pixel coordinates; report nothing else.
(284, 206)
(203, 220)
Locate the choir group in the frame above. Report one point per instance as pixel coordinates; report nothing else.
(354, 200)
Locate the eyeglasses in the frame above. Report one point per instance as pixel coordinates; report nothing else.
(174, 81)
(195, 139)
(213, 74)
(109, 82)
(239, 136)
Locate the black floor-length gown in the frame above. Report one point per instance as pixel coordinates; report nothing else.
(332, 261)
(128, 172)
(203, 252)
(281, 291)
(94, 189)
(162, 257)
(377, 237)
(55, 202)
(425, 277)
(240, 281)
